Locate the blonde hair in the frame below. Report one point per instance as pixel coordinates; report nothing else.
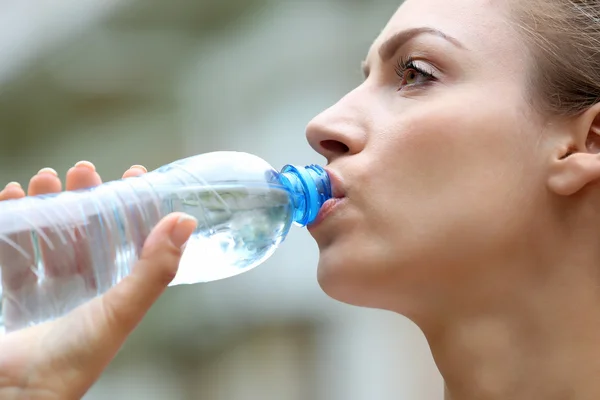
(564, 38)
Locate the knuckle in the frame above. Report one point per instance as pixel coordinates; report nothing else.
(168, 259)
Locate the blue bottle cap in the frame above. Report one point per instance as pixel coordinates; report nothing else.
(310, 187)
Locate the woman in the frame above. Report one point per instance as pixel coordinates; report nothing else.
(466, 163)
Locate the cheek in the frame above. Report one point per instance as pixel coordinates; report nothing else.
(453, 178)
(443, 187)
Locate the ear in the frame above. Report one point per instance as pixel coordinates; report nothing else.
(577, 163)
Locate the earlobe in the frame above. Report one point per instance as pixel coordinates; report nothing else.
(579, 164)
(574, 172)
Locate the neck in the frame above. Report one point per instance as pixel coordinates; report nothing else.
(541, 341)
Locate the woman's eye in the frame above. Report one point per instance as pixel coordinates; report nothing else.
(412, 75)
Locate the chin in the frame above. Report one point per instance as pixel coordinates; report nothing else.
(349, 277)
(367, 276)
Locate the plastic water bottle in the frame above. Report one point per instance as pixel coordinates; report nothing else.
(60, 250)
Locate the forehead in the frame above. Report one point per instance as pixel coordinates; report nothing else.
(484, 26)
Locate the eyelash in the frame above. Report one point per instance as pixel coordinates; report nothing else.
(407, 64)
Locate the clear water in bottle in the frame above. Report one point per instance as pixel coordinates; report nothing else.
(246, 227)
(58, 251)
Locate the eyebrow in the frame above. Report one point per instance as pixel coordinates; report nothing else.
(391, 46)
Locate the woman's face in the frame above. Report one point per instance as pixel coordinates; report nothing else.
(439, 155)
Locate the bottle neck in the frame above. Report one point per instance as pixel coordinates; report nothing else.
(309, 188)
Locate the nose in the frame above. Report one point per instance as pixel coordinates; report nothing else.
(340, 130)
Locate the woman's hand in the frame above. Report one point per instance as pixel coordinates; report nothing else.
(62, 359)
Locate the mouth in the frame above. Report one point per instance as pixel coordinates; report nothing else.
(338, 194)
(337, 185)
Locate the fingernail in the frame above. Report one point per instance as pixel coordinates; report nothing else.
(86, 164)
(183, 229)
(15, 184)
(139, 167)
(48, 170)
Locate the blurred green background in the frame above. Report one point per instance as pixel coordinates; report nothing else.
(151, 81)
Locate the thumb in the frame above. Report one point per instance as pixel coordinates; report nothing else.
(125, 304)
(98, 329)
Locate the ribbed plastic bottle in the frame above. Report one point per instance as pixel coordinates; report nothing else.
(58, 251)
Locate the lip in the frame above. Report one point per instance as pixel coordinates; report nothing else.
(338, 198)
(326, 210)
(337, 184)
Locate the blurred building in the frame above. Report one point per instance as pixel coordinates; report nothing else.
(150, 81)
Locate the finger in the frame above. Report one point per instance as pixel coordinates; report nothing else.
(52, 237)
(16, 268)
(140, 215)
(68, 263)
(82, 176)
(135, 170)
(125, 304)
(68, 276)
(100, 327)
(46, 181)
(12, 191)
(45, 231)
(138, 229)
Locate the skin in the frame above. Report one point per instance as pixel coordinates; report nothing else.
(463, 209)
(63, 358)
